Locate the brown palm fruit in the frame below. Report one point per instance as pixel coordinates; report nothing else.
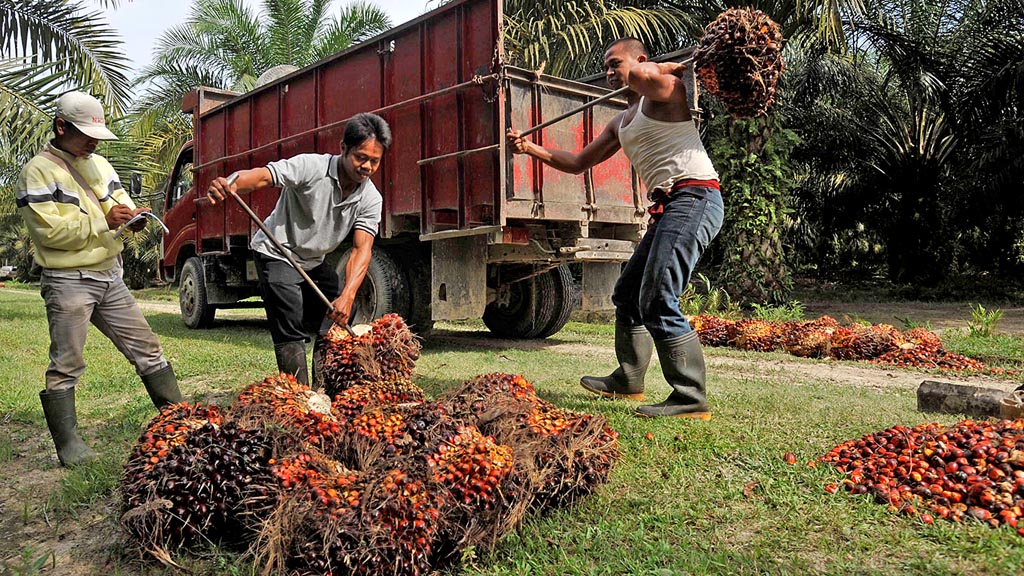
(811, 339)
(195, 493)
(384, 433)
(757, 335)
(739, 61)
(396, 347)
(347, 359)
(712, 330)
(293, 406)
(167, 430)
(357, 399)
(863, 342)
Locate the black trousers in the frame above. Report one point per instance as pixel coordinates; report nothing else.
(293, 308)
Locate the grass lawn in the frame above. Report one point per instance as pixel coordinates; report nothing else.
(699, 498)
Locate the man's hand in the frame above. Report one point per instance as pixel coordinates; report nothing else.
(340, 310)
(141, 224)
(118, 214)
(519, 144)
(220, 189)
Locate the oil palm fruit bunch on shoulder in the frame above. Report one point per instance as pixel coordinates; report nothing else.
(971, 471)
(739, 61)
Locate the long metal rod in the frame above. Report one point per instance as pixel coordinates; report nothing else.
(613, 94)
(280, 248)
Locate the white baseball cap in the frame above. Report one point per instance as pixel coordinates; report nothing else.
(86, 113)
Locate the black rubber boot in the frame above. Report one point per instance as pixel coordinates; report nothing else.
(318, 363)
(59, 408)
(633, 349)
(682, 362)
(291, 359)
(162, 386)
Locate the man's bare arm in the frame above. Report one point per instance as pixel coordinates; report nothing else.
(248, 180)
(600, 149)
(659, 81)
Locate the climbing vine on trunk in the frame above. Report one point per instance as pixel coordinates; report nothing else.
(752, 158)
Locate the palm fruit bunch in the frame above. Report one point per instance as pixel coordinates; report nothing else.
(385, 349)
(973, 470)
(318, 480)
(194, 494)
(470, 466)
(712, 330)
(757, 335)
(391, 431)
(167, 430)
(811, 339)
(486, 394)
(739, 61)
(863, 342)
(292, 406)
(390, 529)
(580, 459)
(355, 400)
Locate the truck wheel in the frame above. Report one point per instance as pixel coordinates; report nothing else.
(564, 297)
(196, 311)
(417, 272)
(534, 308)
(384, 290)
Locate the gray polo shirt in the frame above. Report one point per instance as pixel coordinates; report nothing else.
(311, 218)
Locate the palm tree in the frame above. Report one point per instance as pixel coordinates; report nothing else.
(226, 44)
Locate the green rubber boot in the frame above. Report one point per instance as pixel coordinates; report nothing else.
(59, 409)
(162, 387)
(682, 362)
(633, 350)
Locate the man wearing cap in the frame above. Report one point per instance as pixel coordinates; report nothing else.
(72, 201)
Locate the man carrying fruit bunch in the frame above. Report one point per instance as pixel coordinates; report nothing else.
(660, 138)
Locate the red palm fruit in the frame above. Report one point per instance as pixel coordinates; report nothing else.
(357, 399)
(758, 335)
(712, 330)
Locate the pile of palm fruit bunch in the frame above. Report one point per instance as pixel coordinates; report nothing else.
(560, 455)
(824, 337)
(376, 479)
(739, 61)
(972, 471)
(388, 349)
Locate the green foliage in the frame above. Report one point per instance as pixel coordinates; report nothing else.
(983, 322)
(1003, 350)
(792, 310)
(752, 158)
(29, 562)
(707, 299)
(142, 256)
(909, 323)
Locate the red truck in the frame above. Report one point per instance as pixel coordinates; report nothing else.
(484, 235)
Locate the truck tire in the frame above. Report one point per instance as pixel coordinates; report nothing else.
(565, 298)
(537, 307)
(417, 272)
(196, 310)
(384, 289)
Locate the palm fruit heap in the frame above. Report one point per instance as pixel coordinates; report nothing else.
(971, 471)
(388, 527)
(355, 400)
(386, 350)
(824, 337)
(811, 339)
(757, 335)
(471, 466)
(712, 330)
(303, 413)
(169, 429)
(194, 493)
(739, 61)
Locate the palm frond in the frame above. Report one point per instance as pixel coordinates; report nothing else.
(355, 22)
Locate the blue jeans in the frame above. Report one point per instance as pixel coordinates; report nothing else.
(647, 293)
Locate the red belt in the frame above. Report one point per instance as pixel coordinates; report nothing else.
(660, 197)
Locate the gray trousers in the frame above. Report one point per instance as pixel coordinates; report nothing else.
(71, 303)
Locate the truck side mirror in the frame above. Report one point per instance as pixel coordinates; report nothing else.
(135, 188)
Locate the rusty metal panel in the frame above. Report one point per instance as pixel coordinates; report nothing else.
(458, 277)
(612, 179)
(479, 114)
(238, 140)
(210, 219)
(441, 126)
(404, 80)
(570, 134)
(598, 282)
(298, 114)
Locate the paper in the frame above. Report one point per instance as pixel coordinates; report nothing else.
(139, 216)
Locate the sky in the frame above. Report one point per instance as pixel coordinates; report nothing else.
(141, 22)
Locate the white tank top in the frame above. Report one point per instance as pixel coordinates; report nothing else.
(664, 153)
